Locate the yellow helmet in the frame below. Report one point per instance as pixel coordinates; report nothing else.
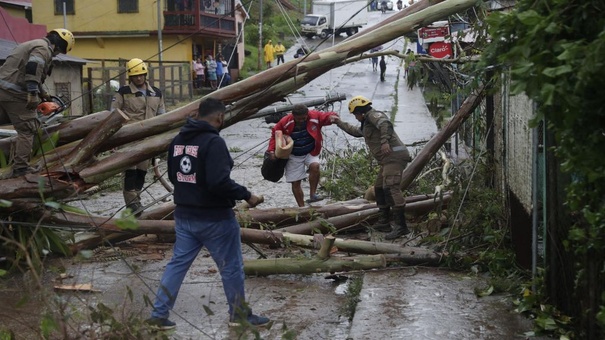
(358, 101)
(136, 66)
(66, 36)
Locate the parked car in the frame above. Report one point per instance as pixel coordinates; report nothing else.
(388, 2)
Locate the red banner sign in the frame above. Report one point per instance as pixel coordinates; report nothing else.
(440, 50)
(433, 32)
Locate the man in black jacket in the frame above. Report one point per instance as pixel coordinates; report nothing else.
(199, 167)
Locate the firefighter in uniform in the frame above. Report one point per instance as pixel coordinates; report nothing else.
(392, 156)
(21, 80)
(140, 101)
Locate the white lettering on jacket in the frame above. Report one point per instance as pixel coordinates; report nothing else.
(185, 178)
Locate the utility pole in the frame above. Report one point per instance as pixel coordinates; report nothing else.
(64, 15)
(160, 44)
(260, 37)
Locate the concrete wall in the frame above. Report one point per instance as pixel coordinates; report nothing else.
(514, 163)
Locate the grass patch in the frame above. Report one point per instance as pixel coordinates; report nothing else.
(352, 296)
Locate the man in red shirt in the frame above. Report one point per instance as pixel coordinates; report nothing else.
(304, 126)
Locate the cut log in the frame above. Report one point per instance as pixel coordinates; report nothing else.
(315, 265)
(412, 255)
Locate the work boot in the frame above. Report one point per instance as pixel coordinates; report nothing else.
(384, 219)
(22, 171)
(132, 199)
(399, 226)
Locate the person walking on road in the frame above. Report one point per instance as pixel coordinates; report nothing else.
(374, 64)
(199, 167)
(392, 156)
(21, 78)
(269, 53)
(139, 101)
(383, 68)
(304, 127)
(279, 52)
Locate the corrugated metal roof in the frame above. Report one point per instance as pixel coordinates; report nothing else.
(6, 46)
(24, 3)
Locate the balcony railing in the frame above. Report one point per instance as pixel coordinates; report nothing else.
(205, 17)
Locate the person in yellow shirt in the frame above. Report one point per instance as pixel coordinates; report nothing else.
(269, 52)
(279, 52)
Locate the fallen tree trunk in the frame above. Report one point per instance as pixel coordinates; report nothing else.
(253, 94)
(354, 219)
(311, 266)
(413, 255)
(430, 149)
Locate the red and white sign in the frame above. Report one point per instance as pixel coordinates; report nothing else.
(440, 50)
(433, 34)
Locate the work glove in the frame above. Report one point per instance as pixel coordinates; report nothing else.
(254, 200)
(45, 96)
(32, 100)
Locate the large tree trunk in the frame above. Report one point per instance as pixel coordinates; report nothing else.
(430, 149)
(413, 255)
(248, 96)
(311, 266)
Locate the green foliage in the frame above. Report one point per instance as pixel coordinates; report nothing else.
(354, 171)
(547, 319)
(354, 286)
(7, 335)
(48, 145)
(3, 161)
(554, 52)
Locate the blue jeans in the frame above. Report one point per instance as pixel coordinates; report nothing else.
(223, 241)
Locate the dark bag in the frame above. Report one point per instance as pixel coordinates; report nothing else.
(273, 169)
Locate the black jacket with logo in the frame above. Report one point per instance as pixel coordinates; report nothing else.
(199, 167)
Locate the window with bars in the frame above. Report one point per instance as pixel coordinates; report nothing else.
(69, 7)
(128, 6)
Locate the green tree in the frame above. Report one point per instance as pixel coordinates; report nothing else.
(554, 51)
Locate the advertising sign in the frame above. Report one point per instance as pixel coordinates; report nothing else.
(440, 50)
(433, 33)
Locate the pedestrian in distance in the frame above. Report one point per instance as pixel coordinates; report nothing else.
(279, 52)
(304, 127)
(219, 71)
(392, 156)
(301, 52)
(211, 69)
(269, 53)
(224, 78)
(21, 78)
(383, 68)
(200, 70)
(199, 167)
(374, 64)
(139, 100)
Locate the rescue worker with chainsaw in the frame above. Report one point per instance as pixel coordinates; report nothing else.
(392, 156)
(139, 100)
(21, 80)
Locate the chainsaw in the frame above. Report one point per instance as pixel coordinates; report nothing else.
(49, 111)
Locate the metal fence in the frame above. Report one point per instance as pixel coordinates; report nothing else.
(174, 79)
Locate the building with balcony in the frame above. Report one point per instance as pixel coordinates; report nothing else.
(163, 33)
